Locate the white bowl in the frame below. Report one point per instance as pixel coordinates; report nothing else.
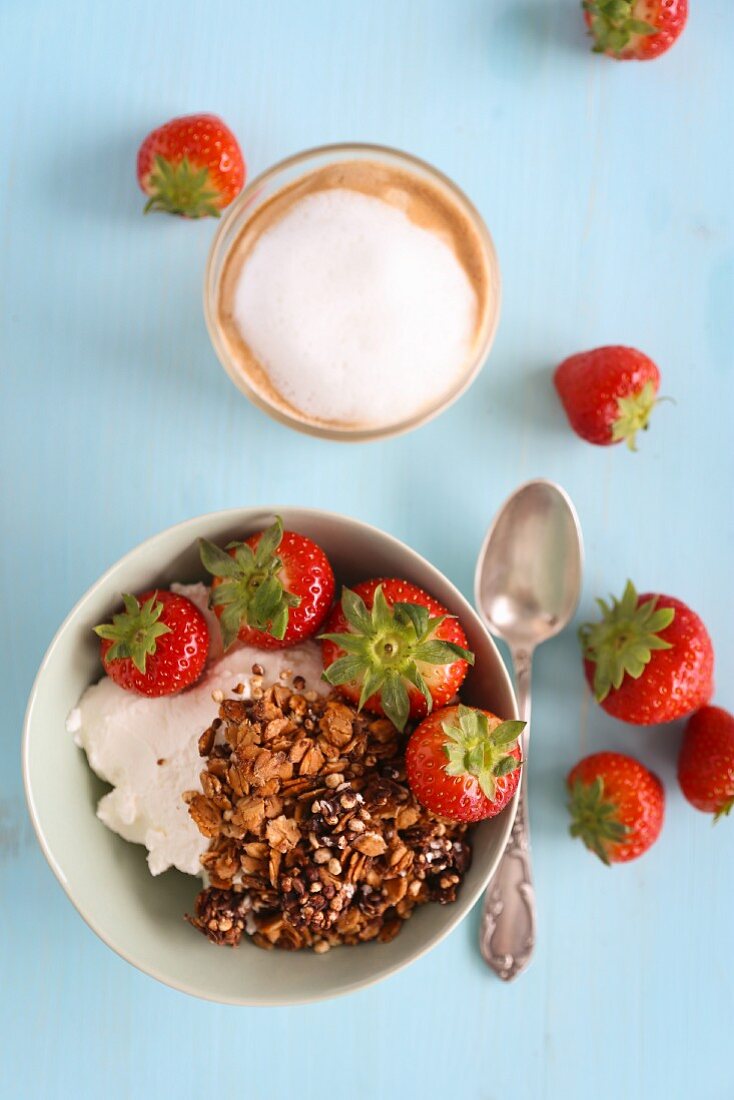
(141, 917)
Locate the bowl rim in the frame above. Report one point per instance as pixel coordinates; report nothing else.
(342, 150)
(235, 515)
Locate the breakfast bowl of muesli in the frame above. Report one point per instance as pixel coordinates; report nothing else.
(265, 731)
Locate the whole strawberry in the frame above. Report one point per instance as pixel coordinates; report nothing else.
(157, 646)
(608, 393)
(635, 30)
(464, 763)
(616, 806)
(272, 590)
(392, 648)
(649, 659)
(706, 761)
(191, 166)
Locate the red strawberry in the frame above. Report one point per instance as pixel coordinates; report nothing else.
(464, 763)
(608, 394)
(635, 30)
(649, 659)
(192, 166)
(616, 806)
(392, 648)
(157, 646)
(272, 590)
(706, 761)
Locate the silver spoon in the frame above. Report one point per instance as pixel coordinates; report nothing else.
(526, 588)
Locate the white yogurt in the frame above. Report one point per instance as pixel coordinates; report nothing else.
(148, 748)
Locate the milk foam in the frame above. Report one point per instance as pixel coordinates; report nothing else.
(356, 313)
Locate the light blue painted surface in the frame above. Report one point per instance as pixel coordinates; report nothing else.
(608, 189)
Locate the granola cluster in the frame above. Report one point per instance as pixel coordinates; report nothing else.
(316, 839)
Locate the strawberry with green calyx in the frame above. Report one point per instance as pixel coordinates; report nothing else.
(191, 166)
(649, 659)
(157, 646)
(616, 806)
(463, 763)
(608, 393)
(706, 761)
(392, 648)
(635, 30)
(272, 590)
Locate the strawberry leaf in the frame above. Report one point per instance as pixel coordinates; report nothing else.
(268, 543)
(355, 611)
(382, 616)
(507, 733)
(217, 561)
(229, 624)
(640, 26)
(395, 701)
(344, 670)
(351, 643)
(724, 810)
(441, 653)
(412, 673)
(374, 678)
(414, 613)
(505, 765)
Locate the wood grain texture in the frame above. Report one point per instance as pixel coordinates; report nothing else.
(608, 189)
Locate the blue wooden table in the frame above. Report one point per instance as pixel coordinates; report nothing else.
(608, 189)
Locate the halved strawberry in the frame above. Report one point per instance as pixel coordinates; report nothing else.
(272, 590)
(392, 648)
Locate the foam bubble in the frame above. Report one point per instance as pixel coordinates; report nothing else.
(356, 313)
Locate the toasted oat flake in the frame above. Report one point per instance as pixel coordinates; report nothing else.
(282, 833)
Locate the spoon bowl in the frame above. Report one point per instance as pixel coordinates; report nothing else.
(529, 568)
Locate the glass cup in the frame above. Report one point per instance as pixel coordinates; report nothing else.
(259, 192)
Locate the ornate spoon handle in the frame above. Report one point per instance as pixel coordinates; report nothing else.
(507, 930)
